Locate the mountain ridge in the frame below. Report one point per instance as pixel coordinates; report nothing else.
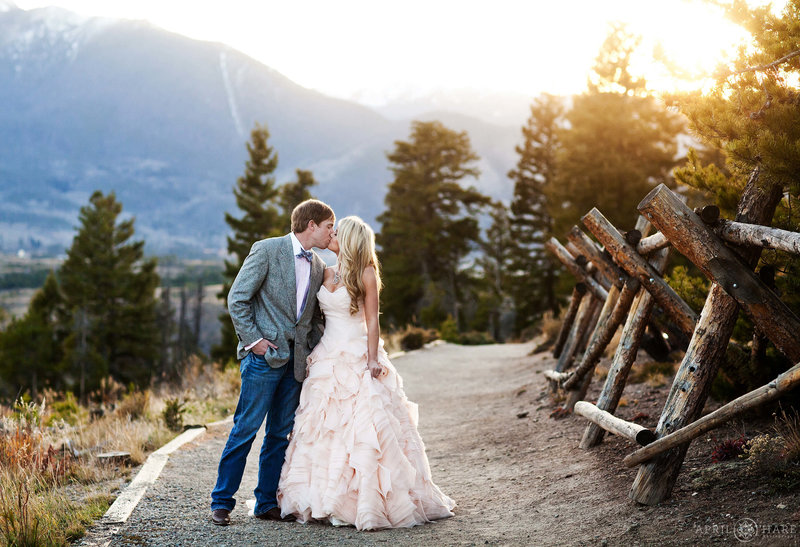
(162, 120)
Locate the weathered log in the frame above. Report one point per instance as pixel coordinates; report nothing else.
(577, 295)
(635, 432)
(579, 394)
(596, 256)
(580, 274)
(633, 237)
(587, 315)
(555, 376)
(606, 327)
(766, 237)
(572, 338)
(599, 330)
(764, 394)
(652, 243)
(114, 458)
(610, 326)
(709, 214)
(625, 355)
(693, 239)
(706, 351)
(636, 265)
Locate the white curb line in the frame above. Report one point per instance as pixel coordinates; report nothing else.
(124, 505)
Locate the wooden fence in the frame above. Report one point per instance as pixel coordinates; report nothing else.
(620, 281)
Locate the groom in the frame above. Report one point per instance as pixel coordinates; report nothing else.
(273, 306)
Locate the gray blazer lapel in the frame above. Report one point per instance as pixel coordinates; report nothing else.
(287, 272)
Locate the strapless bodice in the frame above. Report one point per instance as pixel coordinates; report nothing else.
(339, 323)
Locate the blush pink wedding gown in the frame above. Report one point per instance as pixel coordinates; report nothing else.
(355, 456)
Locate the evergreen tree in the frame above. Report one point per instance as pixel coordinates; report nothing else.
(618, 144)
(429, 224)
(109, 299)
(498, 247)
(30, 348)
(256, 195)
(532, 271)
(291, 194)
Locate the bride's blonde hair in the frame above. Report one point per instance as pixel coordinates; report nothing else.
(356, 252)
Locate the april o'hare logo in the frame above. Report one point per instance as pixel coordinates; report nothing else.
(746, 530)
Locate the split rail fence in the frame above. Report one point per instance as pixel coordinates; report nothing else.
(619, 282)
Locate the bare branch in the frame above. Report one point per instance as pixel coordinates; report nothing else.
(767, 66)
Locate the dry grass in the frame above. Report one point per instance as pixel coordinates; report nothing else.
(787, 426)
(550, 325)
(50, 447)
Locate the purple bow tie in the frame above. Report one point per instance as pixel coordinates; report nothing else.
(304, 254)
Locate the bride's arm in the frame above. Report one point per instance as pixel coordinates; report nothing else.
(371, 307)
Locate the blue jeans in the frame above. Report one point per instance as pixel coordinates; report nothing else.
(270, 392)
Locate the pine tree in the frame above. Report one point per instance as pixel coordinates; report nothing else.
(493, 290)
(532, 271)
(30, 348)
(109, 299)
(293, 193)
(618, 144)
(256, 195)
(752, 117)
(429, 224)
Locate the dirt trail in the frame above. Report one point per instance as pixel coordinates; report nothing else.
(517, 475)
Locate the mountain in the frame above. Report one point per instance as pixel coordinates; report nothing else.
(495, 108)
(162, 120)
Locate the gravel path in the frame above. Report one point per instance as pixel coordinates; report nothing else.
(518, 476)
(447, 381)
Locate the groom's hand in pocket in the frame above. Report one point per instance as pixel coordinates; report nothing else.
(262, 347)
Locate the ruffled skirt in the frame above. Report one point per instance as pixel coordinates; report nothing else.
(355, 456)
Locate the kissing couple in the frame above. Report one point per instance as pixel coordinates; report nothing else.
(341, 443)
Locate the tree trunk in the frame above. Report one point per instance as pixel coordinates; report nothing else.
(198, 313)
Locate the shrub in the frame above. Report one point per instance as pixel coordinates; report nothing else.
(412, 338)
(134, 405)
(173, 412)
(765, 453)
(475, 338)
(65, 409)
(693, 289)
(728, 449)
(448, 330)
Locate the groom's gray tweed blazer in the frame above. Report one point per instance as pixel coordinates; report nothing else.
(262, 304)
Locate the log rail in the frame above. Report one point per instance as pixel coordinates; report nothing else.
(623, 274)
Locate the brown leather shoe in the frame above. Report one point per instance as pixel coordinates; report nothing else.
(221, 517)
(275, 514)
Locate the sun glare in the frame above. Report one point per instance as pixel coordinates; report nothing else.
(368, 48)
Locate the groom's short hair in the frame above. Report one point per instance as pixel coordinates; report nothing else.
(310, 209)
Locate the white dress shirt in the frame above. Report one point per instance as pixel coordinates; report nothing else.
(302, 277)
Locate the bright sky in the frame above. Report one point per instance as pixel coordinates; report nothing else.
(372, 49)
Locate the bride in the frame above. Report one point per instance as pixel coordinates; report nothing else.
(355, 456)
